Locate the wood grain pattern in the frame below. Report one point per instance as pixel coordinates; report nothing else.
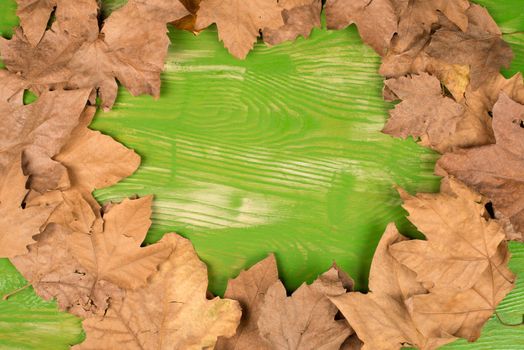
(279, 153)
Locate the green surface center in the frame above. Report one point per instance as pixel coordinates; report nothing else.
(279, 153)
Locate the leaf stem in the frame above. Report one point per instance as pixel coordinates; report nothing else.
(10, 294)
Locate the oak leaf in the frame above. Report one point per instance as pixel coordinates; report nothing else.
(376, 20)
(170, 312)
(249, 289)
(114, 254)
(239, 32)
(461, 239)
(496, 170)
(11, 88)
(300, 17)
(381, 318)
(424, 112)
(17, 225)
(306, 319)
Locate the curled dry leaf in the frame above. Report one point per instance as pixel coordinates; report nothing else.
(240, 33)
(170, 312)
(376, 20)
(131, 47)
(306, 319)
(17, 225)
(114, 254)
(424, 112)
(496, 170)
(381, 318)
(461, 240)
(249, 289)
(300, 17)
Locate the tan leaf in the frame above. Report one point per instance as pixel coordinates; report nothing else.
(424, 112)
(171, 312)
(188, 22)
(17, 225)
(239, 33)
(131, 47)
(496, 170)
(463, 313)
(376, 20)
(114, 254)
(381, 318)
(300, 17)
(417, 16)
(249, 289)
(483, 50)
(461, 242)
(55, 274)
(39, 130)
(306, 320)
(11, 88)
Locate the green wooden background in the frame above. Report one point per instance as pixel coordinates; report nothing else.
(278, 153)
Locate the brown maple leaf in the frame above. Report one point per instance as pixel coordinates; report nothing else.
(188, 22)
(131, 47)
(17, 225)
(170, 312)
(75, 17)
(424, 112)
(376, 20)
(463, 313)
(381, 318)
(249, 289)
(11, 88)
(38, 131)
(496, 170)
(461, 241)
(417, 16)
(300, 17)
(114, 254)
(55, 274)
(306, 319)
(239, 31)
(480, 47)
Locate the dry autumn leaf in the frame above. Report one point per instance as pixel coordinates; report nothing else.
(17, 225)
(11, 88)
(417, 16)
(381, 318)
(376, 20)
(38, 131)
(461, 240)
(171, 312)
(424, 112)
(462, 313)
(131, 47)
(496, 170)
(239, 33)
(114, 254)
(249, 289)
(480, 47)
(55, 274)
(306, 319)
(300, 17)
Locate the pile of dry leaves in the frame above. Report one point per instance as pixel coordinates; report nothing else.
(441, 58)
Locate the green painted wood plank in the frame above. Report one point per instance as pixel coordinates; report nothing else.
(281, 152)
